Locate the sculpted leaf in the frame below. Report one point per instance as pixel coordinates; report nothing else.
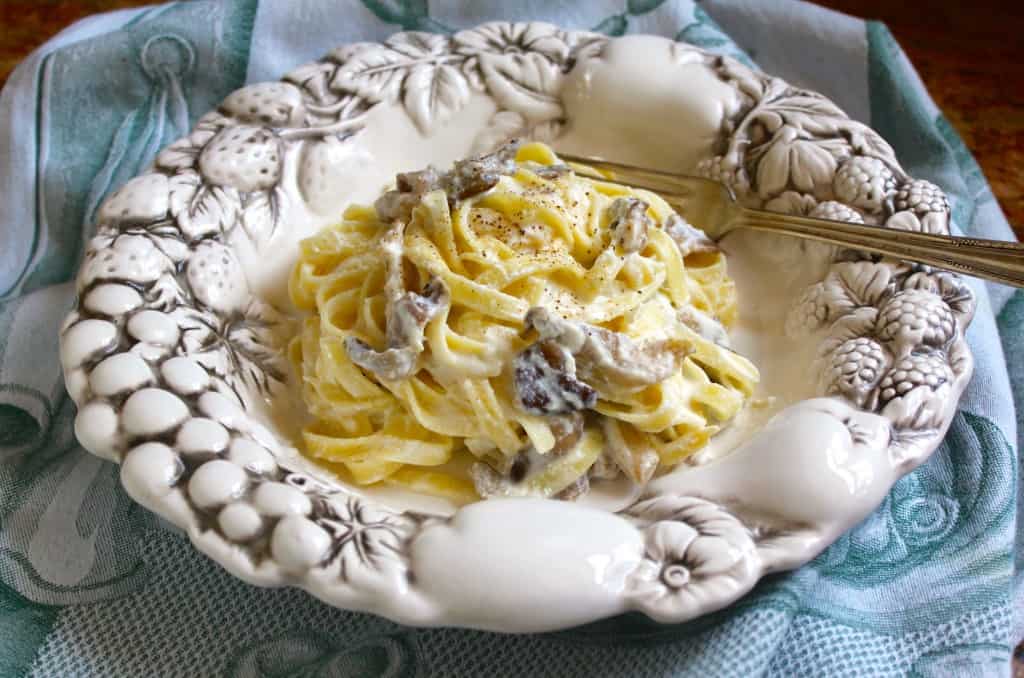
(471, 69)
(960, 358)
(258, 364)
(417, 45)
(166, 293)
(775, 88)
(433, 93)
(184, 153)
(182, 187)
(314, 77)
(866, 283)
(373, 72)
(744, 79)
(955, 292)
(807, 104)
(821, 127)
(241, 349)
(811, 166)
(866, 141)
(791, 160)
(585, 46)
(773, 170)
(179, 155)
(260, 215)
(367, 544)
(527, 84)
(919, 409)
(201, 209)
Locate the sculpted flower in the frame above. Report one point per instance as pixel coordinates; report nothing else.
(700, 554)
(517, 38)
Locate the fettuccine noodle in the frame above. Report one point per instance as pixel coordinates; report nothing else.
(519, 335)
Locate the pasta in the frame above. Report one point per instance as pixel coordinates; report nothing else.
(511, 328)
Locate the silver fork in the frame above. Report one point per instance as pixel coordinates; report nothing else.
(711, 206)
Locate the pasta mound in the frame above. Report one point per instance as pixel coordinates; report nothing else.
(513, 328)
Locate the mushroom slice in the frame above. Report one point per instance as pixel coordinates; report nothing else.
(476, 175)
(545, 475)
(407, 315)
(545, 381)
(630, 451)
(609, 361)
(397, 205)
(688, 239)
(629, 224)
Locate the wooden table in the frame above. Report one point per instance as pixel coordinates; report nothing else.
(968, 54)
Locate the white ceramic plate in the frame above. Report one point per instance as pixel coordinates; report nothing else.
(172, 353)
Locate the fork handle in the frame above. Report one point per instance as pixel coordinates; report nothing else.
(998, 260)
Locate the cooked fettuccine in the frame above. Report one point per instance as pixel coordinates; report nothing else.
(512, 328)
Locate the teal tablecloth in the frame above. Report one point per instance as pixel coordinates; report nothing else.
(91, 585)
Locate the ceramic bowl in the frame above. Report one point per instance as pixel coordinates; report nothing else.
(173, 351)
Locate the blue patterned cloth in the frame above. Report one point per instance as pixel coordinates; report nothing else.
(91, 584)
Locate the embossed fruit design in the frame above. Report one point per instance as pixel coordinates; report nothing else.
(278, 104)
(864, 182)
(131, 258)
(836, 211)
(142, 200)
(216, 277)
(856, 367)
(917, 369)
(727, 171)
(915, 316)
(246, 158)
(920, 197)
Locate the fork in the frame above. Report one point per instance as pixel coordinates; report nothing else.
(713, 208)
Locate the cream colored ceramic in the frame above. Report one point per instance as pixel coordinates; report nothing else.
(173, 353)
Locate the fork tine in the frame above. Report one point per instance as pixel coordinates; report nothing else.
(622, 167)
(703, 202)
(673, 180)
